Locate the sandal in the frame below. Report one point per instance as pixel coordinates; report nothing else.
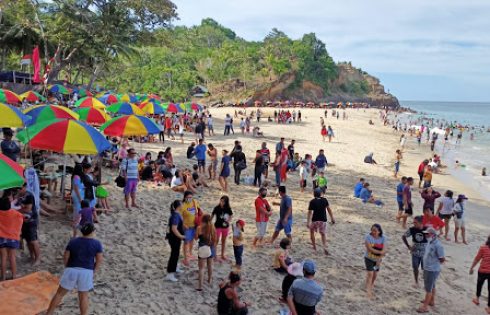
(420, 310)
(475, 301)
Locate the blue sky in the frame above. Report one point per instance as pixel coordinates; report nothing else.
(420, 49)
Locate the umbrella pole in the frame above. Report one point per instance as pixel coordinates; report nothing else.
(63, 176)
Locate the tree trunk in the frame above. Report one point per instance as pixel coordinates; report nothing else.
(76, 76)
(4, 57)
(94, 77)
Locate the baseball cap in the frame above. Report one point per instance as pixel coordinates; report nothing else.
(309, 266)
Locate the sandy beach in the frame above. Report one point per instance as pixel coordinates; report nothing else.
(131, 280)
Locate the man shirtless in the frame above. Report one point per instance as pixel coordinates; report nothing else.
(213, 165)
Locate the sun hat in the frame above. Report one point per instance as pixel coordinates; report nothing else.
(295, 269)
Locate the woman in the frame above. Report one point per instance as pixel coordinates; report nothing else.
(459, 209)
(175, 236)
(147, 159)
(224, 171)
(206, 236)
(398, 157)
(228, 299)
(429, 195)
(482, 257)
(284, 156)
(375, 249)
(90, 184)
(177, 183)
(324, 132)
(10, 229)
(427, 176)
(77, 190)
(330, 133)
(223, 215)
(169, 159)
(445, 211)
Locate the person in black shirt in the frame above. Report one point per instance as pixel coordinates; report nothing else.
(291, 150)
(317, 218)
(417, 249)
(190, 150)
(223, 215)
(259, 168)
(26, 201)
(239, 162)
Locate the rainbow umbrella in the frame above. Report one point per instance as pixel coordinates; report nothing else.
(32, 96)
(153, 108)
(92, 115)
(171, 108)
(7, 96)
(64, 136)
(123, 108)
(49, 112)
(130, 125)
(181, 107)
(127, 98)
(89, 102)
(59, 89)
(108, 99)
(12, 173)
(12, 117)
(196, 107)
(83, 92)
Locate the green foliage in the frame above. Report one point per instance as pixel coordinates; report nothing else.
(357, 88)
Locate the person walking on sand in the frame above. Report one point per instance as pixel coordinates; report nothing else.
(129, 170)
(317, 218)
(206, 236)
(224, 172)
(433, 258)
(417, 249)
(375, 243)
(407, 201)
(398, 157)
(262, 213)
(82, 259)
(324, 132)
(399, 198)
(259, 168)
(285, 215)
(445, 211)
(330, 133)
(305, 293)
(421, 170)
(459, 224)
(175, 236)
(483, 258)
(223, 214)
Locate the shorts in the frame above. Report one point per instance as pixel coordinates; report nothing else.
(222, 231)
(421, 176)
(370, 265)
(29, 231)
(417, 262)
(189, 235)
(101, 192)
(445, 216)
(201, 163)
(8, 243)
(210, 128)
(302, 183)
(400, 205)
(320, 169)
(459, 222)
(198, 135)
(214, 165)
(77, 278)
(409, 210)
(287, 228)
(319, 226)
(261, 228)
(430, 278)
(131, 185)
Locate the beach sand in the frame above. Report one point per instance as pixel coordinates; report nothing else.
(131, 280)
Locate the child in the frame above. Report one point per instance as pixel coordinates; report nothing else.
(281, 260)
(321, 181)
(324, 132)
(86, 215)
(10, 227)
(101, 193)
(303, 173)
(238, 242)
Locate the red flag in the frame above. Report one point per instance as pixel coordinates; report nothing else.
(37, 65)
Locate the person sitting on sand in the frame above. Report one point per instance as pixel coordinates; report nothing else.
(206, 236)
(305, 293)
(459, 224)
(257, 133)
(196, 179)
(366, 195)
(281, 260)
(359, 186)
(228, 300)
(177, 183)
(417, 249)
(375, 243)
(369, 159)
(483, 258)
(295, 271)
(433, 258)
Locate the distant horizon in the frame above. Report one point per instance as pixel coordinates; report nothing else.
(432, 101)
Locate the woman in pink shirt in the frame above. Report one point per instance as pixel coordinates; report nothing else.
(482, 257)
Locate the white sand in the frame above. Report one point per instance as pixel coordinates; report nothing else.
(131, 280)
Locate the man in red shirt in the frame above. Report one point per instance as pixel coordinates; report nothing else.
(421, 170)
(262, 213)
(430, 220)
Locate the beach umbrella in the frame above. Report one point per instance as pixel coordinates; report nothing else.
(83, 92)
(12, 117)
(59, 89)
(49, 112)
(172, 108)
(130, 125)
(108, 99)
(196, 107)
(64, 136)
(9, 97)
(12, 173)
(123, 108)
(32, 96)
(92, 115)
(153, 108)
(89, 102)
(127, 98)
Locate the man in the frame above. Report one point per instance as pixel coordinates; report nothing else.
(82, 259)
(279, 147)
(28, 208)
(227, 124)
(407, 201)
(191, 150)
(417, 248)
(262, 213)
(259, 168)
(305, 293)
(200, 153)
(317, 218)
(239, 162)
(9, 147)
(399, 197)
(321, 161)
(213, 165)
(210, 125)
(433, 258)
(421, 170)
(291, 150)
(266, 154)
(285, 215)
(129, 169)
(359, 186)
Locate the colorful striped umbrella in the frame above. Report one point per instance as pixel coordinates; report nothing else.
(64, 136)
(172, 108)
(7, 96)
(130, 125)
(49, 112)
(32, 96)
(196, 107)
(123, 108)
(127, 98)
(89, 102)
(153, 108)
(108, 99)
(59, 89)
(83, 92)
(92, 115)
(12, 173)
(12, 117)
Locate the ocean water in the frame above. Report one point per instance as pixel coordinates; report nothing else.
(472, 154)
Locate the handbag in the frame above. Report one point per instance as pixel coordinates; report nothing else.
(241, 165)
(120, 180)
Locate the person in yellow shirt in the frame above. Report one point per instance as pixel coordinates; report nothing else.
(189, 210)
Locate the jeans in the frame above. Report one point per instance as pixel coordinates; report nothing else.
(227, 130)
(237, 175)
(238, 251)
(258, 175)
(161, 136)
(479, 284)
(174, 254)
(278, 177)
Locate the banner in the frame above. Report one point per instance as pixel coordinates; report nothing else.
(26, 60)
(37, 65)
